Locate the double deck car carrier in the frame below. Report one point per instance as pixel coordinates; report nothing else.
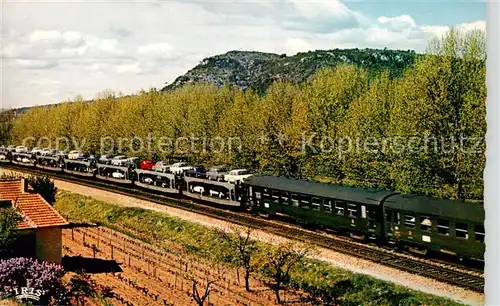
(159, 181)
(79, 167)
(116, 174)
(222, 193)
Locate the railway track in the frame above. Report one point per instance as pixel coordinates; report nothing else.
(451, 274)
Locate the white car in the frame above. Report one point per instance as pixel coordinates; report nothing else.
(131, 161)
(48, 151)
(148, 180)
(118, 175)
(237, 175)
(179, 168)
(36, 150)
(11, 148)
(21, 149)
(25, 160)
(104, 159)
(198, 189)
(161, 166)
(3, 156)
(75, 154)
(119, 160)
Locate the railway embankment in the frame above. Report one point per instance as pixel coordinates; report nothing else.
(144, 210)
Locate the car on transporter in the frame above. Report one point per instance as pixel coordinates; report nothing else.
(237, 175)
(196, 171)
(36, 150)
(147, 164)
(119, 160)
(217, 173)
(180, 167)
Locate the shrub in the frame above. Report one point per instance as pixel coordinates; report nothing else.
(8, 230)
(19, 271)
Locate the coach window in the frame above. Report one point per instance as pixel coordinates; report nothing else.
(266, 194)
(327, 205)
(340, 207)
(352, 209)
(304, 201)
(479, 230)
(275, 196)
(426, 224)
(409, 221)
(443, 227)
(295, 199)
(316, 203)
(257, 195)
(284, 198)
(461, 230)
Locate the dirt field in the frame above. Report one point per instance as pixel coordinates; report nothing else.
(140, 274)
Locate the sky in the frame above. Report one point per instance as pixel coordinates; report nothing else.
(53, 51)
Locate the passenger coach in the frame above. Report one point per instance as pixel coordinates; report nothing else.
(347, 209)
(448, 226)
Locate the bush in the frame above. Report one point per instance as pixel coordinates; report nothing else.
(8, 230)
(19, 271)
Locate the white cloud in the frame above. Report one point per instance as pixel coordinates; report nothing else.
(439, 31)
(129, 69)
(49, 93)
(156, 50)
(103, 45)
(106, 45)
(397, 23)
(35, 64)
(295, 45)
(53, 37)
(45, 36)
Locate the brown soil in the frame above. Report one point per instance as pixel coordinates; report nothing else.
(152, 276)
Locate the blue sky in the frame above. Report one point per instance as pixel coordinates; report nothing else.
(53, 51)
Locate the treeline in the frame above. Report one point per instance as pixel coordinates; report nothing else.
(422, 132)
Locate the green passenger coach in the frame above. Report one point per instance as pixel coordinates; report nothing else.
(448, 226)
(346, 209)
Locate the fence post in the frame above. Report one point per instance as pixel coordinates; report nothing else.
(72, 234)
(98, 236)
(112, 252)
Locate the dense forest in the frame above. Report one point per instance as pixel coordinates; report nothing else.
(258, 70)
(436, 106)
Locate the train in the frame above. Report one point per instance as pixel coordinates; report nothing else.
(413, 222)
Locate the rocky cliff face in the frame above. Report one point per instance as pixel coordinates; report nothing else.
(258, 70)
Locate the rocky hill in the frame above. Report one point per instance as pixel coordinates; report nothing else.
(258, 70)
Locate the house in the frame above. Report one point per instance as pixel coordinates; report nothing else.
(41, 228)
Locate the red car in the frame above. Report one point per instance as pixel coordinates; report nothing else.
(147, 164)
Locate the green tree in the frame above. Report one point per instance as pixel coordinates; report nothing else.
(9, 218)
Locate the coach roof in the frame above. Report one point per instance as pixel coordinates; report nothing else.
(451, 209)
(324, 190)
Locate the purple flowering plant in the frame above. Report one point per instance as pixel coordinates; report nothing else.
(19, 272)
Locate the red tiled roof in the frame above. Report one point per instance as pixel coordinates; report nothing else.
(9, 190)
(35, 210)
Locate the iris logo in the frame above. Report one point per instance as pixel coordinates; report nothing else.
(28, 293)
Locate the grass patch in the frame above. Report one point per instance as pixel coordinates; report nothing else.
(176, 235)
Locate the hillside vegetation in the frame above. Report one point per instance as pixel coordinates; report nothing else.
(442, 97)
(258, 70)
